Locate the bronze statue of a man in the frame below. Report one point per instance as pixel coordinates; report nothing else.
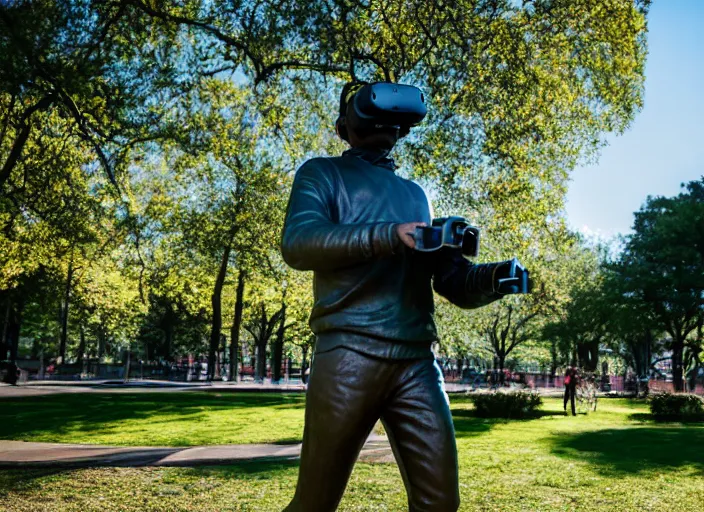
(351, 220)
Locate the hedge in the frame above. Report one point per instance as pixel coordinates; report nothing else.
(506, 404)
(677, 407)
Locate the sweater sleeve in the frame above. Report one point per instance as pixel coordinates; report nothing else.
(313, 240)
(463, 283)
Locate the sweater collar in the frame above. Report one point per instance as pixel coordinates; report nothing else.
(378, 157)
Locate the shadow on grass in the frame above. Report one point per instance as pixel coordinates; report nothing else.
(95, 457)
(467, 424)
(27, 480)
(470, 413)
(54, 414)
(250, 467)
(632, 450)
(543, 414)
(644, 417)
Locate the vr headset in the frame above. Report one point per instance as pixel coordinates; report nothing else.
(381, 105)
(453, 232)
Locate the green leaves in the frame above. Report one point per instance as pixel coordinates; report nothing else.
(663, 263)
(662, 267)
(653, 290)
(149, 136)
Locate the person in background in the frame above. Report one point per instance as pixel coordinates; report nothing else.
(570, 388)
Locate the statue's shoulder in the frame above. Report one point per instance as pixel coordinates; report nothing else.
(317, 165)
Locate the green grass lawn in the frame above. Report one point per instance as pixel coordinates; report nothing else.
(615, 460)
(155, 419)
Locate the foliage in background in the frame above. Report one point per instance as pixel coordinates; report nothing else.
(662, 267)
(677, 407)
(156, 141)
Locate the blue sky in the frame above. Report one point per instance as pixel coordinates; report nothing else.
(665, 144)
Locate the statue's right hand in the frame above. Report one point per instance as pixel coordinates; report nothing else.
(407, 231)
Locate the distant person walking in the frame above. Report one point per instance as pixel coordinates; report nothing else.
(570, 388)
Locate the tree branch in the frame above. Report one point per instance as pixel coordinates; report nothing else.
(21, 139)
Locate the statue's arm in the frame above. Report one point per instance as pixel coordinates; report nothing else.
(463, 283)
(311, 238)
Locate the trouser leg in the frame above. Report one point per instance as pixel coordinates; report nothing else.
(343, 403)
(567, 397)
(419, 425)
(572, 393)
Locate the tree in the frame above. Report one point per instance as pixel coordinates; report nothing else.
(109, 297)
(178, 124)
(307, 346)
(298, 340)
(694, 360)
(237, 326)
(63, 121)
(583, 327)
(663, 266)
(634, 331)
(261, 327)
(519, 93)
(225, 192)
(551, 256)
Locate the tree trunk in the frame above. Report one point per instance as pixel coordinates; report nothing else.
(501, 352)
(127, 365)
(278, 348)
(15, 328)
(553, 358)
(40, 374)
(217, 371)
(594, 356)
(677, 360)
(65, 304)
(588, 355)
(216, 301)
(502, 364)
(261, 361)
(101, 347)
(168, 333)
(236, 326)
(304, 364)
(82, 344)
(5, 330)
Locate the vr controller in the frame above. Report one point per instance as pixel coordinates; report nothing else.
(512, 277)
(454, 232)
(507, 277)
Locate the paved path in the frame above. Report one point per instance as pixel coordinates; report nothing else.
(40, 388)
(19, 454)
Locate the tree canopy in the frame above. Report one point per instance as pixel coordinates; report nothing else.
(147, 149)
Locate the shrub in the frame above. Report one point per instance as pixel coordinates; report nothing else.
(677, 406)
(509, 404)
